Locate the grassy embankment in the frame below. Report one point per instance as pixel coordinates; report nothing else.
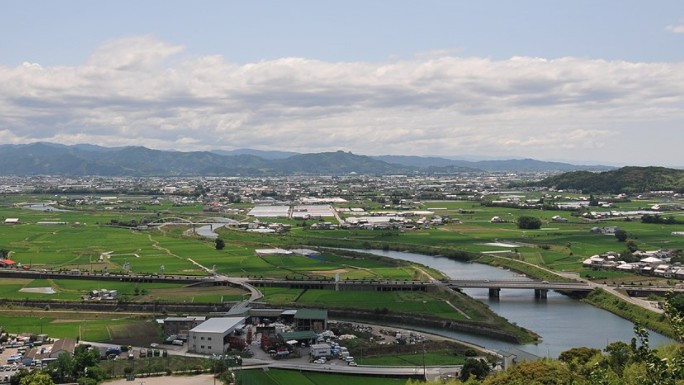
(634, 313)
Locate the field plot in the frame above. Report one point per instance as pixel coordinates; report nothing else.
(94, 248)
(138, 334)
(415, 359)
(58, 324)
(399, 301)
(73, 289)
(280, 295)
(280, 376)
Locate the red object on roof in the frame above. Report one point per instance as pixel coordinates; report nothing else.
(8, 262)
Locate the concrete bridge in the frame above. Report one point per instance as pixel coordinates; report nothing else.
(541, 288)
(344, 285)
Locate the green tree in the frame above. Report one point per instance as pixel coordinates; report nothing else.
(619, 355)
(62, 369)
(650, 366)
(593, 201)
(476, 368)
(84, 358)
(631, 246)
(529, 223)
(580, 355)
(219, 244)
(37, 378)
(620, 235)
(545, 372)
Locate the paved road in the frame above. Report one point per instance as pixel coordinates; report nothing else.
(635, 301)
(337, 215)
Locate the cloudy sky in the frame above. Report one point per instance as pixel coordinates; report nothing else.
(583, 81)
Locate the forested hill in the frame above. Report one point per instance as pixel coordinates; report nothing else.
(626, 179)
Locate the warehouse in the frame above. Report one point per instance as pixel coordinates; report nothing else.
(213, 335)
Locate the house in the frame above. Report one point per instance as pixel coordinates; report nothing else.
(652, 261)
(593, 260)
(12, 221)
(663, 271)
(63, 346)
(679, 274)
(608, 230)
(496, 219)
(626, 267)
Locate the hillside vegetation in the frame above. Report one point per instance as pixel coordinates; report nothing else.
(626, 179)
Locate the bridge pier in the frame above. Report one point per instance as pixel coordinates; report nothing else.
(540, 293)
(494, 292)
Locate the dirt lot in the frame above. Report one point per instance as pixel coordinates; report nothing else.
(203, 379)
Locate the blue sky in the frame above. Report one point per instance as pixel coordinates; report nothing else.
(580, 81)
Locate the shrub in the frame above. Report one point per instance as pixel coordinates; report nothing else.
(529, 223)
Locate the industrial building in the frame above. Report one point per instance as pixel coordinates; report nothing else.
(214, 336)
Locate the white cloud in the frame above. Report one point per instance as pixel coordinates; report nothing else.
(675, 28)
(142, 91)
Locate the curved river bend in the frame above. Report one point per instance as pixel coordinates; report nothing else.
(562, 322)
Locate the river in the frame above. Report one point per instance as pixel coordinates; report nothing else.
(207, 231)
(562, 322)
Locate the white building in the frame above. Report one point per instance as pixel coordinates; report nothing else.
(211, 336)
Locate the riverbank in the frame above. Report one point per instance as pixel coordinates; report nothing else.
(603, 297)
(631, 312)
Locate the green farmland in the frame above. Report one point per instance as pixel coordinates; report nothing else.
(99, 327)
(74, 290)
(93, 239)
(281, 376)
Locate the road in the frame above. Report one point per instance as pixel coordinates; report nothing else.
(337, 215)
(254, 293)
(635, 301)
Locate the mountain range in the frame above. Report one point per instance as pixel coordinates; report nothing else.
(84, 159)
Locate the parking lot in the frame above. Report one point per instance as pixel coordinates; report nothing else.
(7, 370)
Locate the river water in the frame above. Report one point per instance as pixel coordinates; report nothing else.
(562, 322)
(207, 231)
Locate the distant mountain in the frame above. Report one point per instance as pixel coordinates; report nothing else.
(420, 161)
(49, 159)
(85, 159)
(339, 162)
(270, 155)
(625, 179)
(488, 165)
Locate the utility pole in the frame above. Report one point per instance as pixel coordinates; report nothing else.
(424, 369)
